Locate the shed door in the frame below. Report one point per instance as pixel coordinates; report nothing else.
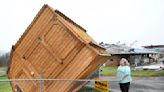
(25, 86)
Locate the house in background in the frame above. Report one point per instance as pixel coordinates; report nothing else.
(135, 56)
(157, 48)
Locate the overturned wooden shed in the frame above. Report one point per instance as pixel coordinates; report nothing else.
(53, 47)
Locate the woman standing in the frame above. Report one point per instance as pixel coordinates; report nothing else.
(123, 75)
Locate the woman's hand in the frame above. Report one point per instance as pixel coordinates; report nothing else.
(124, 76)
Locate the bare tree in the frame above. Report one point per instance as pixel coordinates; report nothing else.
(4, 59)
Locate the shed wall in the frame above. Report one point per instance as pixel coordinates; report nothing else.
(51, 48)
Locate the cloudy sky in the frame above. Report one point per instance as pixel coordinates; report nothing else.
(109, 21)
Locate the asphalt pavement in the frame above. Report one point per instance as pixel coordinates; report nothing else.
(139, 84)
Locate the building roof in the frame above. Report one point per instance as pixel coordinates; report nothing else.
(154, 46)
(123, 49)
(135, 51)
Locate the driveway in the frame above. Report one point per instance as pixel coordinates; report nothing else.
(140, 84)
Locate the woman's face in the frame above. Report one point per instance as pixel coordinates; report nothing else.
(122, 63)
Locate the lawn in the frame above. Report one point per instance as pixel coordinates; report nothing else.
(147, 73)
(111, 71)
(4, 86)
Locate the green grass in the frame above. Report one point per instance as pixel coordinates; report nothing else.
(108, 70)
(147, 73)
(3, 77)
(111, 71)
(5, 86)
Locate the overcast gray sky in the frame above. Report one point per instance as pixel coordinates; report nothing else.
(109, 21)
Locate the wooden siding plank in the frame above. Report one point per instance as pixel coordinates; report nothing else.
(73, 69)
(38, 57)
(61, 41)
(34, 31)
(59, 69)
(97, 62)
(61, 20)
(86, 61)
(36, 40)
(55, 34)
(26, 64)
(15, 70)
(48, 48)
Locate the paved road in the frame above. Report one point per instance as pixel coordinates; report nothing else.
(144, 84)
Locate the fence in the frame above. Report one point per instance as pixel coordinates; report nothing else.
(89, 84)
(144, 84)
